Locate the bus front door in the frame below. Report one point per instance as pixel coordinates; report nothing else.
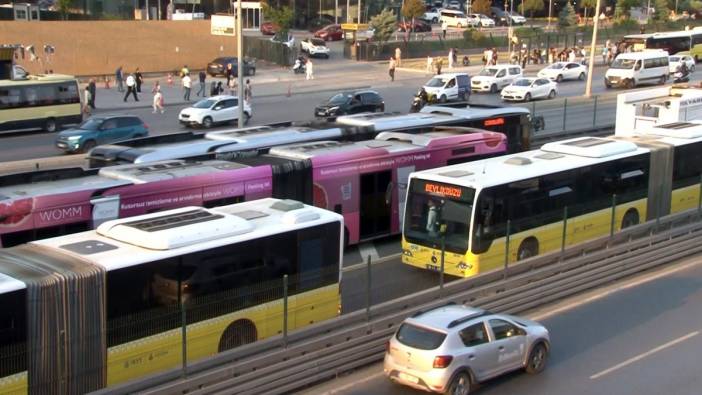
(375, 211)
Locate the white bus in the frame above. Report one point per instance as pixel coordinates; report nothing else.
(93, 309)
(525, 196)
(39, 102)
(643, 109)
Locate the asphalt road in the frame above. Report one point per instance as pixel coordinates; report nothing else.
(638, 337)
(299, 107)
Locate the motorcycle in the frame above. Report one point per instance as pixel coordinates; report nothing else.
(299, 66)
(681, 76)
(420, 99)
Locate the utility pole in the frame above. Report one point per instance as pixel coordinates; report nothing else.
(359, 11)
(348, 7)
(550, 10)
(240, 63)
(336, 11)
(588, 86)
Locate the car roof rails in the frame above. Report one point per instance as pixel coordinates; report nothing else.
(476, 314)
(420, 312)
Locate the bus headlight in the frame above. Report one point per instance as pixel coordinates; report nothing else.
(407, 253)
(464, 266)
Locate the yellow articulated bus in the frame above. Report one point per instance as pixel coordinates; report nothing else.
(93, 309)
(599, 184)
(39, 102)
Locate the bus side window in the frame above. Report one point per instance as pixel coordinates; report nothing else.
(490, 220)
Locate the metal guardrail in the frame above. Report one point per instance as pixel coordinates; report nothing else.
(329, 348)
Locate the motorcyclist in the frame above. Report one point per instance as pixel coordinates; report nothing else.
(682, 73)
(299, 66)
(420, 100)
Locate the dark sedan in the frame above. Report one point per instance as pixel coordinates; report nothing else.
(219, 66)
(330, 33)
(350, 103)
(418, 26)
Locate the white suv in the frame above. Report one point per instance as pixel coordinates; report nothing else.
(213, 110)
(451, 348)
(493, 78)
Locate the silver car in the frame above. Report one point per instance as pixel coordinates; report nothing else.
(451, 348)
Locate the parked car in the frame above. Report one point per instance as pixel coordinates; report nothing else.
(286, 39)
(674, 61)
(448, 86)
(219, 66)
(350, 103)
(330, 33)
(630, 69)
(453, 348)
(493, 78)
(269, 28)
(418, 26)
(98, 130)
(431, 15)
(503, 17)
(314, 47)
(456, 18)
(560, 71)
(213, 110)
(455, 5)
(526, 89)
(482, 20)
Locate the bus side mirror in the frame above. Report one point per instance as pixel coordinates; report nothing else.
(388, 194)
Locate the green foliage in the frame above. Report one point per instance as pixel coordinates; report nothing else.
(282, 16)
(589, 4)
(693, 5)
(413, 9)
(384, 25)
(481, 6)
(63, 7)
(661, 11)
(623, 7)
(567, 16)
(530, 6)
(626, 25)
(528, 31)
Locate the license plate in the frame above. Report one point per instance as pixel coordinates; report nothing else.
(408, 378)
(433, 267)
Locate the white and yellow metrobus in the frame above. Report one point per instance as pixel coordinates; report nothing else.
(93, 309)
(39, 102)
(525, 195)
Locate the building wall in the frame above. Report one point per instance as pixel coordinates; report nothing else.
(98, 47)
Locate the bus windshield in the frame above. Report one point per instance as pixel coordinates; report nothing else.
(431, 205)
(623, 64)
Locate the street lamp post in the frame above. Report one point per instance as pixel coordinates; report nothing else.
(240, 63)
(588, 86)
(550, 9)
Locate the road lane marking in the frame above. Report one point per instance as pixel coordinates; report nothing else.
(353, 384)
(644, 355)
(366, 249)
(603, 294)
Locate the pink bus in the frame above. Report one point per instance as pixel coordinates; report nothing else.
(365, 181)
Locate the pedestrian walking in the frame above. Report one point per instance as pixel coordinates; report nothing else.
(158, 100)
(233, 85)
(398, 57)
(87, 98)
(202, 76)
(93, 90)
(184, 71)
(131, 88)
(391, 68)
(494, 56)
(187, 84)
(430, 64)
(439, 64)
(119, 79)
(213, 88)
(450, 59)
(488, 57)
(309, 69)
(248, 92)
(444, 26)
(220, 88)
(229, 72)
(139, 79)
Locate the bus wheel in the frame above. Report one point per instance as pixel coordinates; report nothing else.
(50, 125)
(631, 218)
(237, 334)
(528, 249)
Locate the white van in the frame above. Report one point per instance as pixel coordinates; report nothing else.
(449, 86)
(633, 68)
(493, 78)
(456, 18)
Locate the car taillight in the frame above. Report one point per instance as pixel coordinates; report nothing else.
(442, 361)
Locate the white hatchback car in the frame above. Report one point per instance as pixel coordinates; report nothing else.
(213, 110)
(452, 348)
(676, 60)
(560, 71)
(493, 78)
(483, 20)
(530, 88)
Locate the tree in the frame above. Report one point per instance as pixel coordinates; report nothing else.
(413, 9)
(482, 7)
(529, 6)
(623, 7)
(567, 16)
(589, 4)
(384, 25)
(283, 16)
(661, 11)
(63, 7)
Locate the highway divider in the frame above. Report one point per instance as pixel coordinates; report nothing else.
(53, 162)
(328, 349)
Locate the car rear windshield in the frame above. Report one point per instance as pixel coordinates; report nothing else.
(91, 124)
(420, 338)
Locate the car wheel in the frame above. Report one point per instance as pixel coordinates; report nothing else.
(493, 88)
(88, 145)
(630, 84)
(662, 80)
(559, 78)
(460, 385)
(50, 125)
(527, 97)
(552, 94)
(581, 76)
(692, 68)
(435, 20)
(442, 99)
(537, 359)
(207, 122)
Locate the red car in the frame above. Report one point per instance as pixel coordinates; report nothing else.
(419, 26)
(330, 33)
(269, 28)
